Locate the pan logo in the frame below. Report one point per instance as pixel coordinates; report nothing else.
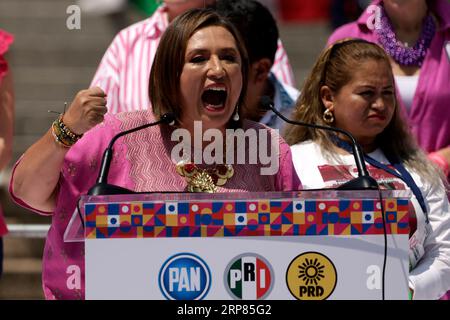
(249, 277)
(184, 276)
(311, 276)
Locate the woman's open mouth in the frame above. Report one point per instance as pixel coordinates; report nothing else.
(214, 98)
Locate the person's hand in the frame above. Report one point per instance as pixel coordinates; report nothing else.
(86, 111)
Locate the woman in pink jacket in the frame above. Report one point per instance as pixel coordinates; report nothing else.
(416, 36)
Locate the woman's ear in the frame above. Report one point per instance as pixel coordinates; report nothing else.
(261, 70)
(326, 95)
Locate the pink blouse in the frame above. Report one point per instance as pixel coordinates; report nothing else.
(141, 162)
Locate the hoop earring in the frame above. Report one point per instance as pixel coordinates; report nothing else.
(236, 114)
(328, 116)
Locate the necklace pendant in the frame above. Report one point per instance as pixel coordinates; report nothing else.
(203, 180)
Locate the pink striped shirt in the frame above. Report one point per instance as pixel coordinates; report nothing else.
(124, 70)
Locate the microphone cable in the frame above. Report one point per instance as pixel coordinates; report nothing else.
(383, 272)
(79, 213)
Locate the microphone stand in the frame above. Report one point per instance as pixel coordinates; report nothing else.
(102, 187)
(364, 181)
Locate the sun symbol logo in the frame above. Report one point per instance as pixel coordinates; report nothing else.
(311, 271)
(311, 276)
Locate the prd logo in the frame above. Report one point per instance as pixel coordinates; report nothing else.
(249, 276)
(184, 276)
(311, 276)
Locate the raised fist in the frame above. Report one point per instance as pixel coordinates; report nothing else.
(86, 111)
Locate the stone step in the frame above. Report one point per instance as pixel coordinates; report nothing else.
(38, 109)
(44, 9)
(50, 57)
(29, 126)
(66, 40)
(58, 74)
(56, 24)
(303, 44)
(22, 268)
(21, 287)
(21, 279)
(54, 91)
(22, 247)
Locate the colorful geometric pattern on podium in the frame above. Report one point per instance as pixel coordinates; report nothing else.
(245, 218)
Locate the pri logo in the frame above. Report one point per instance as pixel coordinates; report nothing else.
(249, 277)
(184, 276)
(311, 276)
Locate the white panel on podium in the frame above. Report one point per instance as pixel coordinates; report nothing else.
(278, 245)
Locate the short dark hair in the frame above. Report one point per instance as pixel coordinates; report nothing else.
(256, 24)
(164, 84)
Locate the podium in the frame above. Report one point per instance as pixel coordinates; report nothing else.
(306, 245)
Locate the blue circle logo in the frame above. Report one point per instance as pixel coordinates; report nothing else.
(184, 276)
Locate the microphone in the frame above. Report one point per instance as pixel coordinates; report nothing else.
(364, 180)
(102, 187)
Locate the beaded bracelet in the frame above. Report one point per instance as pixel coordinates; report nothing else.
(62, 134)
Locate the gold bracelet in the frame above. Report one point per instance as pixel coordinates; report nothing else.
(67, 131)
(57, 138)
(62, 134)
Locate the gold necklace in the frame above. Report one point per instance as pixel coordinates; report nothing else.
(204, 180)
